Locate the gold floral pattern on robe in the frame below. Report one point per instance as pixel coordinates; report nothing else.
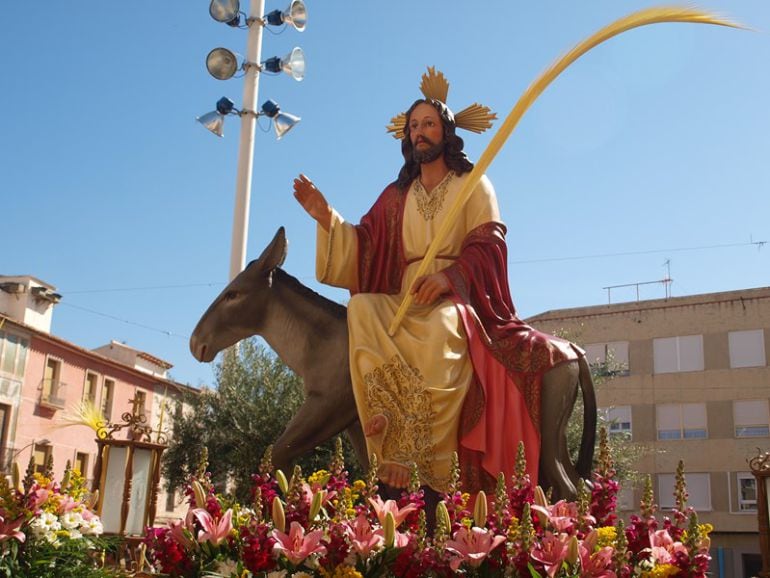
(397, 391)
(430, 203)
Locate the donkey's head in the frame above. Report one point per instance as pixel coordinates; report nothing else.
(239, 311)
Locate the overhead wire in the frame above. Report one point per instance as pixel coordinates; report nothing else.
(758, 244)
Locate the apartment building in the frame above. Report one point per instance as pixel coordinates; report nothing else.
(693, 383)
(44, 378)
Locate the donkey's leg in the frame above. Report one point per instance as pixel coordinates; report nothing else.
(356, 436)
(559, 392)
(316, 421)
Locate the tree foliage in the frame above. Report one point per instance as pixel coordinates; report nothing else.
(255, 397)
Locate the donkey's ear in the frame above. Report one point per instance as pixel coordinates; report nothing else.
(275, 253)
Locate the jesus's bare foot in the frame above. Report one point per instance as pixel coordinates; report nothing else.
(393, 474)
(376, 425)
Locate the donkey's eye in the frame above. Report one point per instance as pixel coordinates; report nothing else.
(230, 295)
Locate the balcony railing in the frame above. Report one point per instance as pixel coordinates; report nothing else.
(50, 395)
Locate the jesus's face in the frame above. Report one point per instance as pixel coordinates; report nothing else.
(426, 133)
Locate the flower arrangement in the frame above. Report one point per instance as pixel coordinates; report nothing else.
(49, 528)
(326, 526)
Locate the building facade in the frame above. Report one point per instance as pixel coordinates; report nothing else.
(692, 383)
(44, 379)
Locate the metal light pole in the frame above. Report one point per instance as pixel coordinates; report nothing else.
(246, 147)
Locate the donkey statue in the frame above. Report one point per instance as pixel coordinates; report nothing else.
(309, 333)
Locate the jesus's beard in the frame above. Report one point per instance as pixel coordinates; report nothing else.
(430, 154)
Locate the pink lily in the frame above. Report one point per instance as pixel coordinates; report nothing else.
(472, 546)
(297, 546)
(562, 515)
(663, 547)
(551, 552)
(361, 537)
(9, 530)
(381, 509)
(596, 564)
(213, 531)
(181, 531)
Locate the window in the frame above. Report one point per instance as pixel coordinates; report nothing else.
(747, 348)
(608, 358)
(698, 488)
(140, 401)
(618, 420)
(89, 388)
(81, 463)
(108, 391)
(747, 493)
(52, 384)
(681, 421)
(751, 418)
(675, 354)
(41, 453)
(13, 354)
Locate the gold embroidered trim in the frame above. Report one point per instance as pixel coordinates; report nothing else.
(397, 390)
(430, 203)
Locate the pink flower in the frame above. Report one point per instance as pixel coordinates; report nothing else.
(213, 531)
(562, 515)
(297, 546)
(381, 509)
(597, 564)
(9, 530)
(551, 552)
(663, 547)
(361, 537)
(472, 546)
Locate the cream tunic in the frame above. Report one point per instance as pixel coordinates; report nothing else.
(418, 378)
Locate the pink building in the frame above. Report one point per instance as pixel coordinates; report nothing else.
(44, 377)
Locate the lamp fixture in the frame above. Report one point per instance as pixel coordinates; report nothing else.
(295, 14)
(292, 64)
(221, 63)
(227, 11)
(215, 120)
(283, 122)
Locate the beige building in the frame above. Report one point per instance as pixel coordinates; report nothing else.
(694, 384)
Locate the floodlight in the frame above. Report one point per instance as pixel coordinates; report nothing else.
(283, 122)
(295, 14)
(215, 120)
(292, 64)
(227, 11)
(221, 63)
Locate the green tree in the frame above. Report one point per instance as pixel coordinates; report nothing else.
(255, 397)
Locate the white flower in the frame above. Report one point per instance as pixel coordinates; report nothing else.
(226, 568)
(92, 526)
(75, 535)
(45, 523)
(277, 574)
(71, 519)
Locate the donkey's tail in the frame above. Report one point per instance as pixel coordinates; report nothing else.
(585, 459)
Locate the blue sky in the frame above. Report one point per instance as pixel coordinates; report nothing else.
(655, 142)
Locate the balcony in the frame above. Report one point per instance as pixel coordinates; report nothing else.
(50, 396)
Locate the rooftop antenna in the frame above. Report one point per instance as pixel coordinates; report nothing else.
(666, 283)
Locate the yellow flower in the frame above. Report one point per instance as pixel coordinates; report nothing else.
(359, 486)
(661, 571)
(606, 536)
(341, 571)
(320, 477)
(513, 529)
